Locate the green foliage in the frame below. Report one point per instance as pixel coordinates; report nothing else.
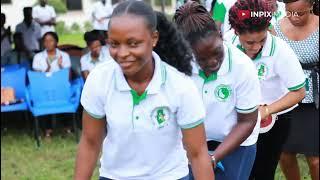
(75, 28)
(59, 5)
(166, 2)
(61, 28)
(87, 26)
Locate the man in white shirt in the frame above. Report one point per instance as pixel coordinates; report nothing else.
(30, 30)
(101, 13)
(45, 15)
(5, 36)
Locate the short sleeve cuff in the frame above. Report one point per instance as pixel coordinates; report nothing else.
(294, 88)
(95, 116)
(247, 111)
(192, 125)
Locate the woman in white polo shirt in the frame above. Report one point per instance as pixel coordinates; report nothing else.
(227, 80)
(95, 56)
(51, 59)
(281, 77)
(143, 106)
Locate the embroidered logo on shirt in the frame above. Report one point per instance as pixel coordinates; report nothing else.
(262, 71)
(223, 92)
(160, 116)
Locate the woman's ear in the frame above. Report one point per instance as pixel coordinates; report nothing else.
(155, 38)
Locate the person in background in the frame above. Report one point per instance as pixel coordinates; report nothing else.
(30, 30)
(227, 80)
(45, 15)
(51, 59)
(5, 36)
(281, 78)
(101, 13)
(95, 55)
(19, 55)
(301, 32)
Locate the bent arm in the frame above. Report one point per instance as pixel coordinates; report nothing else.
(239, 133)
(89, 147)
(194, 140)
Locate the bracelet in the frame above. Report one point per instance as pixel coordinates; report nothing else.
(213, 160)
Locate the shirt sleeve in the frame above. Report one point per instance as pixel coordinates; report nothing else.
(37, 30)
(84, 64)
(248, 90)
(219, 12)
(289, 69)
(92, 98)
(191, 112)
(53, 13)
(37, 64)
(66, 60)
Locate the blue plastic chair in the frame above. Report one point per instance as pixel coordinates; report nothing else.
(52, 94)
(12, 67)
(15, 78)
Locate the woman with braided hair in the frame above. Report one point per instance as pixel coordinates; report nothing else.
(281, 77)
(301, 32)
(138, 109)
(227, 81)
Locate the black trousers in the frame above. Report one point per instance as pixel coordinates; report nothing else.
(269, 148)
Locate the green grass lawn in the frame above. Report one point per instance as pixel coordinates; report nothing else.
(20, 159)
(75, 39)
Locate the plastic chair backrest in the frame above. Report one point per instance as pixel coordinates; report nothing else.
(11, 67)
(15, 79)
(49, 89)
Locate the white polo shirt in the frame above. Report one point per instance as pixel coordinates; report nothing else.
(87, 64)
(40, 61)
(278, 68)
(99, 11)
(233, 89)
(31, 35)
(144, 139)
(44, 14)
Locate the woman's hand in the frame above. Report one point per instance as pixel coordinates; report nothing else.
(264, 112)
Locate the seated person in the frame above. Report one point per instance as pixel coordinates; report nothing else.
(51, 59)
(19, 55)
(97, 53)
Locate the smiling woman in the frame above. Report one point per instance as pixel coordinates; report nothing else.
(144, 104)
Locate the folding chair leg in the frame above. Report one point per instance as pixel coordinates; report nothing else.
(74, 120)
(36, 130)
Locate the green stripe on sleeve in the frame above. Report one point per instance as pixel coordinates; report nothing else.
(294, 88)
(192, 125)
(97, 117)
(219, 12)
(246, 111)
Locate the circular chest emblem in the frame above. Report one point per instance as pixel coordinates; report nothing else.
(262, 70)
(160, 116)
(223, 92)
